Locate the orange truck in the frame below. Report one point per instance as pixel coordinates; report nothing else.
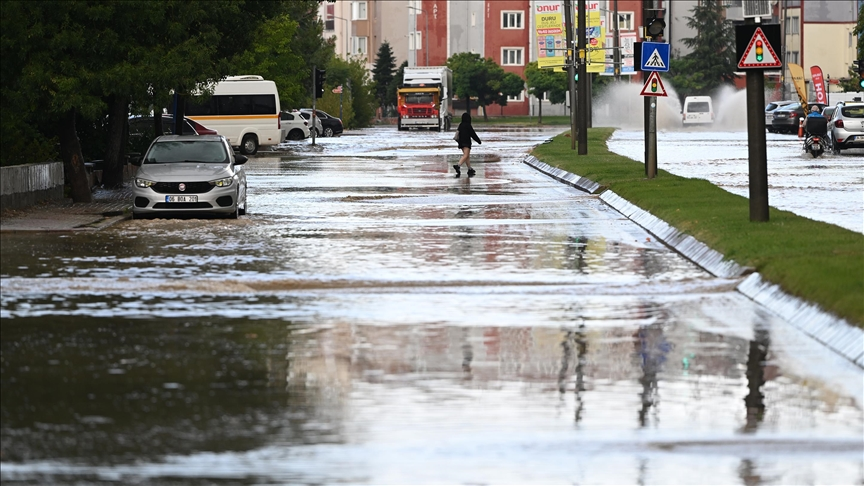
(425, 98)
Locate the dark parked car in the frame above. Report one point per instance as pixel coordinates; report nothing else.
(786, 118)
(141, 130)
(332, 126)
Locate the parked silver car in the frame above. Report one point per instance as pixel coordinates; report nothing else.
(846, 126)
(188, 174)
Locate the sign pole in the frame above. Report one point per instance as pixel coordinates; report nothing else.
(758, 157)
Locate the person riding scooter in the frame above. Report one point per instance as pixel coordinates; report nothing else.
(815, 131)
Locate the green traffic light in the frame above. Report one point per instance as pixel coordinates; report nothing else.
(861, 83)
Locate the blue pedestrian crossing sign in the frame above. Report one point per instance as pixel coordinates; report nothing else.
(655, 56)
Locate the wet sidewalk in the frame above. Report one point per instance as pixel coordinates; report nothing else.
(109, 206)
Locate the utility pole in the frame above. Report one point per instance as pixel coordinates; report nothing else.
(583, 80)
(570, 59)
(616, 39)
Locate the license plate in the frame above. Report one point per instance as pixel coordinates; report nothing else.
(181, 199)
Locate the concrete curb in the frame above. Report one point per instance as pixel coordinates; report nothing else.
(835, 333)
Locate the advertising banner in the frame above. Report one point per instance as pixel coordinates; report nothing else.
(818, 84)
(627, 42)
(549, 24)
(797, 73)
(595, 26)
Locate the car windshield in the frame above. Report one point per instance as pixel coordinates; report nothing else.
(210, 152)
(852, 111)
(792, 107)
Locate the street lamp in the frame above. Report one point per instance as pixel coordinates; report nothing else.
(347, 49)
(425, 32)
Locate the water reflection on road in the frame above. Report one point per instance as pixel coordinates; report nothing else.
(376, 320)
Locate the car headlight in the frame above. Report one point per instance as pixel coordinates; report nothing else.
(222, 182)
(144, 183)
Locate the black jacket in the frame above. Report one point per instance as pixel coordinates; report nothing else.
(466, 133)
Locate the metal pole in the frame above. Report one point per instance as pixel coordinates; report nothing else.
(314, 97)
(583, 80)
(571, 71)
(756, 143)
(646, 100)
(616, 56)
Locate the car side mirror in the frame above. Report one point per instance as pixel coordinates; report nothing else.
(135, 160)
(240, 159)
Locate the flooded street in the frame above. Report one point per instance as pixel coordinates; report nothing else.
(375, 319)
(829, 188)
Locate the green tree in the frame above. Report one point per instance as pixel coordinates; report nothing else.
(712, 62)
(382, 76)
(511, 85)
(393, 87)
(477, 78)
(358, 98)
(541, 81)
(67, 61)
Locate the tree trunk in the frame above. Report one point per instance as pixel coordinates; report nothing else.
(73, 161)
(539, 111)
(115, 152)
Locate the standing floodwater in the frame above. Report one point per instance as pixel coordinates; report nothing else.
(376, 320)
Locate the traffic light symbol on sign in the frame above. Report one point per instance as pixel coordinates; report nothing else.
(653, 85)
(759, 51)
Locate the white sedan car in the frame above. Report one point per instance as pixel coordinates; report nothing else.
(190, 175)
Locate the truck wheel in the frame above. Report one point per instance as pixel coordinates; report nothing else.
(399, 124)
(249, 146)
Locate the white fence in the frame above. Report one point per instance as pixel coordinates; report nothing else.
(26, 185)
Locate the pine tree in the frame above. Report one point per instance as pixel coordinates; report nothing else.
(712, 63)
(382, 76)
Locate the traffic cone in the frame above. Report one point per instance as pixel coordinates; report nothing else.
(800, 128)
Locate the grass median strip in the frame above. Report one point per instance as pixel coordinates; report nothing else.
(818, 262)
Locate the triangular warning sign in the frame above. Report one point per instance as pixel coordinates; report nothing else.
(655, 61)
(759, 53)
(653, 87)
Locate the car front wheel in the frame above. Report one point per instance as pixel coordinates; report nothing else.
(328, 132)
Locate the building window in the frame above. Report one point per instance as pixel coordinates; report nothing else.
(511, 56)
(358, 46)
(625, 21)
(791, 25)
(358, 10)
(792, 57)
(418, 4)
(329, 19)
(415, 41)
(517, 99)
(511, 20)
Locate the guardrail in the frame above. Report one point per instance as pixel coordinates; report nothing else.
(25, 185)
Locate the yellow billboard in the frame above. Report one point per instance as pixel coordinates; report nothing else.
(549, 22)
(595, 36)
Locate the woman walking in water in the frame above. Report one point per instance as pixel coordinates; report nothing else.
(466, 133)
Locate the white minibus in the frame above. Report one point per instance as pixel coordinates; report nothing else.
(243, 109)
(697, 110)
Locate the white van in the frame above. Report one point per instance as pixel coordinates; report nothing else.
(698, 110)
(243, 109)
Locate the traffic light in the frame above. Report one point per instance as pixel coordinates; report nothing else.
(759, 50)
(654, 85)
(859, 65)
(654, 27)
(320, 76)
